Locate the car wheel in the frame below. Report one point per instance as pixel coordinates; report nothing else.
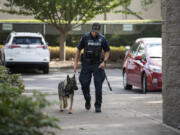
(126, 86)
(46, 70)
(2, 63)
(10, 69)
(144, 84)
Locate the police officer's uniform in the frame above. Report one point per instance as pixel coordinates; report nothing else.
(93, 47)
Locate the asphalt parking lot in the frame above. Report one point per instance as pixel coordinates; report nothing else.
(48, 83)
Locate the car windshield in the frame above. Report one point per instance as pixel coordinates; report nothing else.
(154, 50)
(27, 40)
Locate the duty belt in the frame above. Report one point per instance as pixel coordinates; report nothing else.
(91, 61)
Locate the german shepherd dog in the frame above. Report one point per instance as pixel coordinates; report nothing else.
(65, 91)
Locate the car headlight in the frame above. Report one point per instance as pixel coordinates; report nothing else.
(155, 69)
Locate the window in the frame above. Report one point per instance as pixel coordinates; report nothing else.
(155, 50)
(27, 40)
(141, 51)
(8, 38)
(134, 48)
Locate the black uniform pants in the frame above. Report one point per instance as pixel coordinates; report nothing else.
(85, 79)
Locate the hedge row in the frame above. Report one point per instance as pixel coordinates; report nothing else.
(117, 53)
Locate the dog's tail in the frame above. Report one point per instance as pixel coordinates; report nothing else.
(65, 102)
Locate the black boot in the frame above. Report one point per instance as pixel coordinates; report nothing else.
(88, 105)
(98, 109)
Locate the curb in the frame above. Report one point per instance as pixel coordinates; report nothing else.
(45, 92)
(71, 67)
(171, 128)
(66, 67)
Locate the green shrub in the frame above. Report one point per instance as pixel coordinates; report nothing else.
(19, 114)
(117, 53)
(70, 52)
(12, 79)
(54, 52)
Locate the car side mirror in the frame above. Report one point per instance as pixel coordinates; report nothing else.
(138, 58)
(126, 52)
(127, 47)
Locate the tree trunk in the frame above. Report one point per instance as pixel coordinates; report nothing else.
(62, 45)
(105, 16)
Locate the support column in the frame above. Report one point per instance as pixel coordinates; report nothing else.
(171, 62)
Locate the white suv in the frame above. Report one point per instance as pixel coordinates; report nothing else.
(26, 49)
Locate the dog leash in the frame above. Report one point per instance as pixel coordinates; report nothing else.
(107, 81)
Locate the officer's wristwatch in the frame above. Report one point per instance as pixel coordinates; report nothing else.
(104, 61)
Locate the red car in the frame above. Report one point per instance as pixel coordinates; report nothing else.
(143, 65)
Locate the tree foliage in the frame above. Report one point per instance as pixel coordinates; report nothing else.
(63, 11)
(65, 14)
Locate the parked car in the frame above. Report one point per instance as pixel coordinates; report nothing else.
(143, 65)
(26, 49)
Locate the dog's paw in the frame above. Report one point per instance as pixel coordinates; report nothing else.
(61, 110)
(69, 112)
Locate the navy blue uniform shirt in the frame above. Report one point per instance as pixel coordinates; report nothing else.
(98, 41)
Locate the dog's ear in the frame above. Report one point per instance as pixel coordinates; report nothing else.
(68, 78)
(74, 76)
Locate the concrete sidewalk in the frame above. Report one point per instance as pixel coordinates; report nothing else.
(122, 114)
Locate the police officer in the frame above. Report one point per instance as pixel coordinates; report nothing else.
(93, 43)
